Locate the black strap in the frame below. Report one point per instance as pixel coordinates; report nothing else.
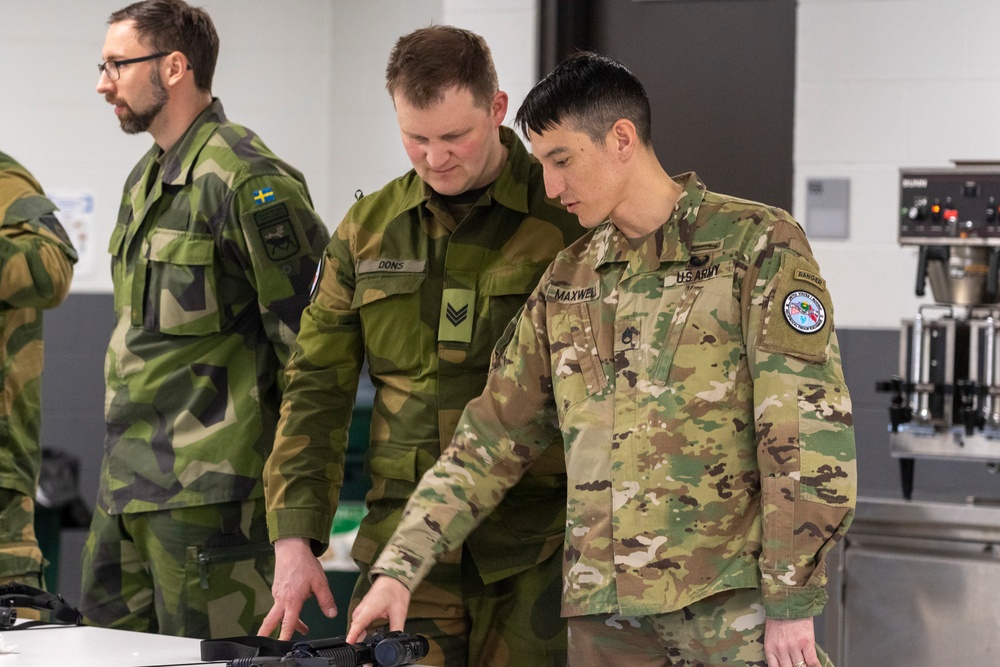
(28, 597)
(250, 646)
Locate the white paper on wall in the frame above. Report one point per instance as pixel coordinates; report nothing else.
(76, 213)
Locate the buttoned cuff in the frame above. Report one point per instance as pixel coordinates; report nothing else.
(301, 523)
(793, 602)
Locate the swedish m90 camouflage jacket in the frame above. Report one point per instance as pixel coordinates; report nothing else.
(696, 380)
(423, 300)
(213, 256)
(36, 268)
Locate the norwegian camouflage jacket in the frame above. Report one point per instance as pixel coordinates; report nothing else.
(212, 259)
(423, 299)
(36, 268)
(696, 381)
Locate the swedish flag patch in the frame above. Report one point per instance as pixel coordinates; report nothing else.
(264, 196)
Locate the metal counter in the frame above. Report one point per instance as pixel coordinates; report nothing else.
(916, 584)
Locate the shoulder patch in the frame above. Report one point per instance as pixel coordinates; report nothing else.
(263, 196)
(804, 312)
(810, 277)
(276, 232)
(797, 322)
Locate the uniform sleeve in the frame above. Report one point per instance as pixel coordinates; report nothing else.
(36, 256)
(804, 426)
(279, 241)
(500, 434)
(304, 474)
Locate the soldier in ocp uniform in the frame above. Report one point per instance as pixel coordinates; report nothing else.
(685, 349)
(212, 259)
(36, 268)
(420, 280)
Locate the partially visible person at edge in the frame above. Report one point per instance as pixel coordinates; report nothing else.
(685, 348)
(36, 268)
(420, 281)
(213, 256)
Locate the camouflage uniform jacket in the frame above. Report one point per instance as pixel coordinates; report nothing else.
(709, 440)
(213, 255)
(423, 300)
(36, 268)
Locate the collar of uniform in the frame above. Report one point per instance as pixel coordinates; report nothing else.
(669, 243)
(176, 163)
(510, 189)
(688, 204)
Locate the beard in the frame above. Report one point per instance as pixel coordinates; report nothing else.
(135, 122)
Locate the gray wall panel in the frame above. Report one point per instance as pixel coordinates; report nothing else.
(873, 354)
(76, 337)
(721, 82)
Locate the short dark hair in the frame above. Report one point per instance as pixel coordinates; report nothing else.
(589, 92)
(173, 25)
(427, 62)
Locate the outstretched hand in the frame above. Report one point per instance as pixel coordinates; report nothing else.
(388, 599)
(297, 576)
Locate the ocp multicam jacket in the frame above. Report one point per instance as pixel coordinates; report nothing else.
(696, 382)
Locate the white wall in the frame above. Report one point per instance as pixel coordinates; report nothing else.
(883, 85)
(307, 75)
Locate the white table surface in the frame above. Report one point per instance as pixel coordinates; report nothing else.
(84, 646)
(81, 646)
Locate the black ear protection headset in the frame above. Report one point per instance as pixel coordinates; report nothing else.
(21, 595)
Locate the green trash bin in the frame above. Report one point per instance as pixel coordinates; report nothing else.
(48, 527)
(356, 479)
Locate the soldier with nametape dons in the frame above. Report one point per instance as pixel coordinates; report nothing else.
(420, 280)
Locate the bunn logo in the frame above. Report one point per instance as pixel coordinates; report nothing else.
(914, 182)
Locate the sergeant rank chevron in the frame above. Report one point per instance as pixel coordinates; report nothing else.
(456, 317)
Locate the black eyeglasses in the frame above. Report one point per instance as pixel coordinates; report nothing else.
(111, 67)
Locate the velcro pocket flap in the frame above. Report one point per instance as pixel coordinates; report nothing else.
(173, 246)
(371, 288)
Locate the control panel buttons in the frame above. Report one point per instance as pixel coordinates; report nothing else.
(936, 211)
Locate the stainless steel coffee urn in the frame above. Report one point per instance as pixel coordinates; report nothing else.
(946, 397)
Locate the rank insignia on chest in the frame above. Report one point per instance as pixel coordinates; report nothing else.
(804, 312)
(455, 324)
(263, 196)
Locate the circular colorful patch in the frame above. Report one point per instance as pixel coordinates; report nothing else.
(804, 312)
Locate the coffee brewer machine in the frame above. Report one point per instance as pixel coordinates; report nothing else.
(946, 401)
